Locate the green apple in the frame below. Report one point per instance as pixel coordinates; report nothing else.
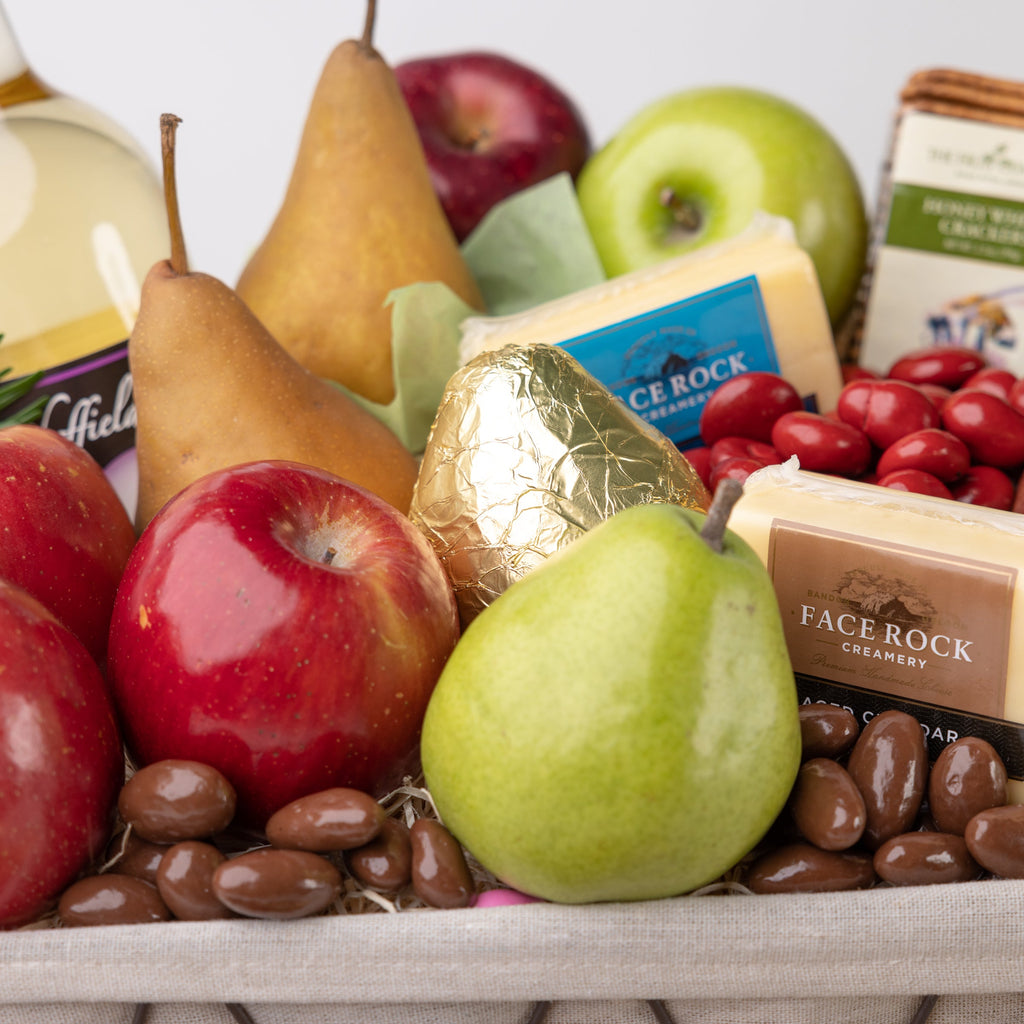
(695, 167)
(621, 723)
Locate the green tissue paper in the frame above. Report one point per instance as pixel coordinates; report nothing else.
(530, 248)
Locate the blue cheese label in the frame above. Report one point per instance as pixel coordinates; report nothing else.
(665, 363)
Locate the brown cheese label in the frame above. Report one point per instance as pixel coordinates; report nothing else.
(909, 622)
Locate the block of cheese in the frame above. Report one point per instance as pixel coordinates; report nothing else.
(663, 338)
(891, 599)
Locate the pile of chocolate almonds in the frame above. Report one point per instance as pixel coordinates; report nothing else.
(867, 809)
(177, 856)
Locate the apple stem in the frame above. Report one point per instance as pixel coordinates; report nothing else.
(179, 258)
(685, 214)
(329, 555)
(727, 493)
(476, 139)
(371, 16)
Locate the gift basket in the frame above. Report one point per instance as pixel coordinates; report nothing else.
(521, 636)
(850, 957)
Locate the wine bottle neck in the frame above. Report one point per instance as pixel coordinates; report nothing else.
(12, 60)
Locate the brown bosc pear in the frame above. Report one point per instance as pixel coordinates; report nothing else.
(213, 388)
(359, 218)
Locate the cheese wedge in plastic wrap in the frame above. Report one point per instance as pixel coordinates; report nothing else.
(897, 600)
(663, 338)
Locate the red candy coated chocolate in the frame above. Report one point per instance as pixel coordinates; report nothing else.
(990, 427)
(930, 450)
(886, 410)
(947, 365)
(747, 406)
(821, 444)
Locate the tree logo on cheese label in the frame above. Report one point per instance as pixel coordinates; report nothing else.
(889, 598)
(662, 353)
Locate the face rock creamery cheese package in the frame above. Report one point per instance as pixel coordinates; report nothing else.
(663, 338)
(896, 600)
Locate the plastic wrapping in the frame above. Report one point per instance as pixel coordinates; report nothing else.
(894, 600)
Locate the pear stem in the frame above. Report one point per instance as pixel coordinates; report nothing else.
(371, 17)
(727, 493)
(179, 258)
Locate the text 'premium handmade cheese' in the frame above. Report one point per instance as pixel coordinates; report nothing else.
(896, 600)
(665, 337)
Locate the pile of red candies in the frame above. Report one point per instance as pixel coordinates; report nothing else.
(178, 859)
(867, 808)
(941, 422)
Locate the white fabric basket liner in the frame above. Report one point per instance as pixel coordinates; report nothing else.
(963, 939)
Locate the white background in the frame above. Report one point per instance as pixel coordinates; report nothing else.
(240, 72)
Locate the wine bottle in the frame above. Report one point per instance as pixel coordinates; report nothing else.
(81, 222)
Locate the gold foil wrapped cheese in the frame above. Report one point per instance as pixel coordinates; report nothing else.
(528, 451)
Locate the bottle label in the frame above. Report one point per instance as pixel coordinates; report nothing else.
(664, 364)
(90, 402)
(63, 345)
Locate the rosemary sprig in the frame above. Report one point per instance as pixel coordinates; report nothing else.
(11, 391)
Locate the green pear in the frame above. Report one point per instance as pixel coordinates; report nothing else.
(620, 724)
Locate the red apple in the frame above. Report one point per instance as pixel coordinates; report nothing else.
(61, 760)
(284, 626)
(65, 535)
(490, 127)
